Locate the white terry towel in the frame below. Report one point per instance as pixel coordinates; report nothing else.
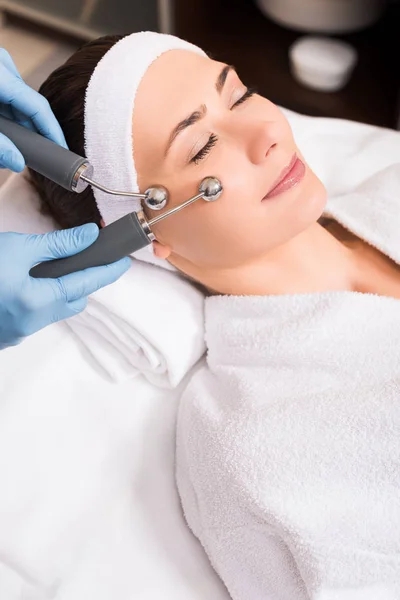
(151, 321)
(288, 450)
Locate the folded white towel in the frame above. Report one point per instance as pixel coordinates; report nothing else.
(133, 327)
(288, 453)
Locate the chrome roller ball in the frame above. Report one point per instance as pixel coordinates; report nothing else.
(211, 188)
(156, 197)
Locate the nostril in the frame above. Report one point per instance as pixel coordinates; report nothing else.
(269, 149)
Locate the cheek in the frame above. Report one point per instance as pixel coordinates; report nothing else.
(193, 232)
(212, 234)
(204, 218)
(219, 233)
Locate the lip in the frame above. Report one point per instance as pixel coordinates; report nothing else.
(291, 175)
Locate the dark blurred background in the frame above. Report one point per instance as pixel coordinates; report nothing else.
(242, 33)
(236, 31)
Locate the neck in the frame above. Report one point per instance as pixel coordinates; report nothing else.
(313, 261)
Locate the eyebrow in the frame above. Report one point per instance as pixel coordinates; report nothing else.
(197, 115)
(219, 84)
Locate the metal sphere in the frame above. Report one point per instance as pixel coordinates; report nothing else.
(211, 188)
(156, 197)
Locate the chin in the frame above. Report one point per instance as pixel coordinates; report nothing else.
(312, 199)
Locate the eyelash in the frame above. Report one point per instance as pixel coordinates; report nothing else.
(212, 140)
(250, 92)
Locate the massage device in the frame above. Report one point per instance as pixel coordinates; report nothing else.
(73, 172)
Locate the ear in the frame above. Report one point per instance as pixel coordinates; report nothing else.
(102, 224)
(161, 251)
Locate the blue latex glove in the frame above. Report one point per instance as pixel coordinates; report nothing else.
(28, 304)
(26, 107)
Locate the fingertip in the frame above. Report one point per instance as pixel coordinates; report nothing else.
(64, 144)
(125, 263)
(18, 163)
(58, 139)
(121, 266)
(89, 230)
(15, 161)
(56, 134)
(91, 227)
(117, 269)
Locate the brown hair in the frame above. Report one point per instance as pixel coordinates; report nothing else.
(65, 90)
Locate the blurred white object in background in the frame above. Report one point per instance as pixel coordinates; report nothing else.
(324, 16)
(322, 63)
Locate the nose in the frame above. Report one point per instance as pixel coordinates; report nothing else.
(262, 138)
(256, 137)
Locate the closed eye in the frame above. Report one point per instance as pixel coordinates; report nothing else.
(248, 94)
(213, 139)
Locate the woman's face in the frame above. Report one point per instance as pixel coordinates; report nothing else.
(243, 140)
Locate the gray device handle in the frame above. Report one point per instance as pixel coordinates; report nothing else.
(42, 155)
(115, 241)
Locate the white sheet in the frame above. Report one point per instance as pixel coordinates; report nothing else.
(88, 507)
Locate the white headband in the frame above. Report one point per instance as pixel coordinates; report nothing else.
(109, 104)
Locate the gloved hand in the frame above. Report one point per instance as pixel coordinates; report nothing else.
(26, 107)
(28, 304)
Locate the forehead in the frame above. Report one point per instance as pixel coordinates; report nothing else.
(177, 74)
(173, 86)
(176, 65)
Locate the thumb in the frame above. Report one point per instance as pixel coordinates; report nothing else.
(60, 244)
